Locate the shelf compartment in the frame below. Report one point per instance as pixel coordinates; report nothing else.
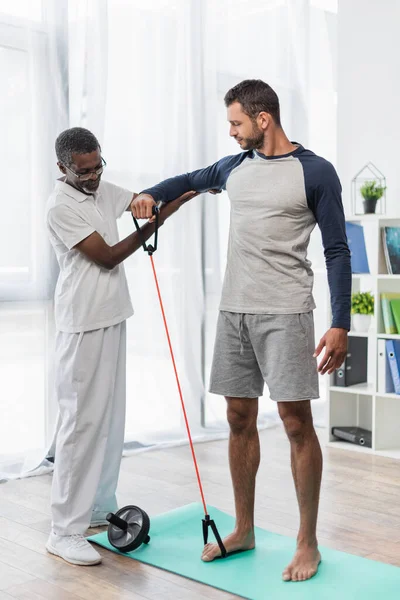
(387, 422)
(350, 410)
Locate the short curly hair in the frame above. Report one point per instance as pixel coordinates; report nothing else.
(255, 96)
(76, 140)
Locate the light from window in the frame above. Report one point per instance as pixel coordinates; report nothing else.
(15, 165)
(23, 9)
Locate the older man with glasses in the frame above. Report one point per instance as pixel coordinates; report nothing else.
(92, 304)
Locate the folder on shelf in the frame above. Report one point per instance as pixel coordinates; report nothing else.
(356, 242)
(387, 313)
(391, 247)
(354, 368)
(385, 381)
(395, 306)
(355, 435)
(393, 354)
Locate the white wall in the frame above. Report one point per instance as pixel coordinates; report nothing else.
(369, 93)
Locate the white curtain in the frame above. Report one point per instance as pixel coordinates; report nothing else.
(47, 85)
(30, 115)
(291, 46)
(156, 126)
(148, 78)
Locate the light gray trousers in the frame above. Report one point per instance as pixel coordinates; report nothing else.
(91, 392)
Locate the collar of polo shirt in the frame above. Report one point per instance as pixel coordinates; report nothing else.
(72, 192)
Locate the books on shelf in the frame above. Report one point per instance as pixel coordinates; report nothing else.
(389, 322)
(391, 248)
(395, 306)
(356, 242)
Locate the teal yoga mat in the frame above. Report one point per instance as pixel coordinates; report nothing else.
(176, 545)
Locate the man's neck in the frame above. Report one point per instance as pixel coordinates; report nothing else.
(277, 144)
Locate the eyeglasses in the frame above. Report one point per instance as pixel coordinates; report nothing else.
(87, 176)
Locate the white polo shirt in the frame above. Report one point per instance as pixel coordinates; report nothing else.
(87, 296)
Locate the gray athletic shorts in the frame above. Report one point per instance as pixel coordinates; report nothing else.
(275, 349)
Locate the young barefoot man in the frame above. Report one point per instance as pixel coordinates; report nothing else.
(278, 192)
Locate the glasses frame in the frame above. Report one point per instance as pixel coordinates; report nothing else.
(87, 176)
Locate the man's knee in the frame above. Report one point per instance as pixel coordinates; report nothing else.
(297, 419)
(242, 414)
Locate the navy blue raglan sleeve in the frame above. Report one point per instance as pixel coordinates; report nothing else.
(324, 198)
(202, 180)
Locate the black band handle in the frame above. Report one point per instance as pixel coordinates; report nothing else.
(207, 522)
(148, 247)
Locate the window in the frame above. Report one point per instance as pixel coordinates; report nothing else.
(26, 156)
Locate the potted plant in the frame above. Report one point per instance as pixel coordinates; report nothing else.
(371, 191)
(362, 308)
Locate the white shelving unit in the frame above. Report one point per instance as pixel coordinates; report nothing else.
(361, 405)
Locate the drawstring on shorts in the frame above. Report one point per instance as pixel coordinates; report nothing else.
(241, 319)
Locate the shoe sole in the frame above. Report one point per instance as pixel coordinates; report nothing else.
(52, 550)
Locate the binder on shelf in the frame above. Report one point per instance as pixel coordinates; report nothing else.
(387, 313)
(354, 368)
(391, 248)
(356, 242)
(385, 381)
(395, 306)
(393, 354)
(355, 435)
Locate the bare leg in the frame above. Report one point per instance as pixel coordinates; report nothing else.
(244, 459)
(306, 461)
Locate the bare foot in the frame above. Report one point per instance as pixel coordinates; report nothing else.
(304, 564)
(232, 543)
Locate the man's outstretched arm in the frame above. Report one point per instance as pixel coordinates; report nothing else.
(75, 233)
(211, 178)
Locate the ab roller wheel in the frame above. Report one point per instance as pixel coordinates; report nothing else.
(129, 528)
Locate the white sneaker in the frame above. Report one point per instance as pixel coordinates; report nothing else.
(74, 549)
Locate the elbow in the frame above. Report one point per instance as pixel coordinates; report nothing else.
(108, 262)
(109, 266)
(111, 260)
(341, 253)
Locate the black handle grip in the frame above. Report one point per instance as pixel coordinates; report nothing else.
(148, 247)
(117, 521)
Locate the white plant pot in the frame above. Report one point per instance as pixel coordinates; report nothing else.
(361, 323)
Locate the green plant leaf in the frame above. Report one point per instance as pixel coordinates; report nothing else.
(370, 190)
(362, 303)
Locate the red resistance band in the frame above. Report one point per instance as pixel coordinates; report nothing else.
(207, 521)
(179, 387)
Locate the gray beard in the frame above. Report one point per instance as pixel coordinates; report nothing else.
(89, 191)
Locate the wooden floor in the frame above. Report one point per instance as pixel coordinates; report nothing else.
(360, 514)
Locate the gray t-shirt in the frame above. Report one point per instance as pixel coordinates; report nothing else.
(275, 203)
